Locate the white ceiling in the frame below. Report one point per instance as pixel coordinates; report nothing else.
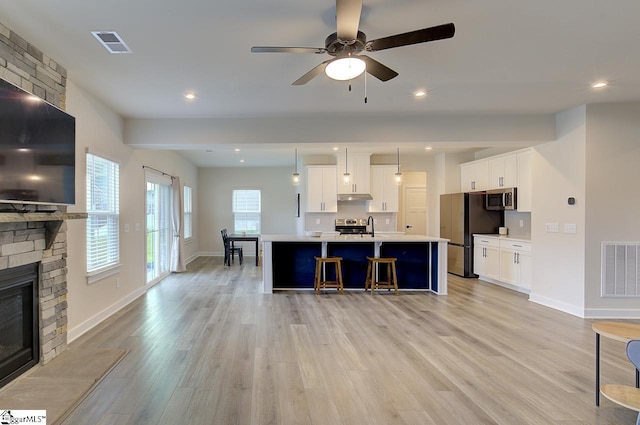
(515, 57)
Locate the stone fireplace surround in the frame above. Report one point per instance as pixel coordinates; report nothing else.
(27, 238)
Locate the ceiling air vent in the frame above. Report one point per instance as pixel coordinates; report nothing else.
(111, 41)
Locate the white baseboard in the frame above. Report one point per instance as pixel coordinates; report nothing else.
(210, 254)
(604, 313)
(505, 285)
(90, 323)
(557, 305)
(191, 258)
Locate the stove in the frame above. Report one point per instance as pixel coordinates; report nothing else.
(351, 226)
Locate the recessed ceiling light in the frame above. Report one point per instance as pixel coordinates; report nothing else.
(242, 160)
(335, 148)
(428, 148)
(190, 95)
(420, 93)
(237, 149)
(599, 84)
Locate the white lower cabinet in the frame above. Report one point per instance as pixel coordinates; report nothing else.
(486, 257)
(511, 258)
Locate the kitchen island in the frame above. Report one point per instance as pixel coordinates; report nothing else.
(289, 260)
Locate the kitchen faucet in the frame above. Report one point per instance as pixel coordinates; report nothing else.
(371, 221)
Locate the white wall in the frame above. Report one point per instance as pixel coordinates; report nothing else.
(214, 203)
(101, 131)
(558, 173)
(613, 206)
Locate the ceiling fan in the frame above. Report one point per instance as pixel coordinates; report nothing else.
(347, 44)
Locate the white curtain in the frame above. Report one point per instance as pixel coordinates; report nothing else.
(177, 247)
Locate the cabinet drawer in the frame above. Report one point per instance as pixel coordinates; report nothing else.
(516, 245)
(486, 241)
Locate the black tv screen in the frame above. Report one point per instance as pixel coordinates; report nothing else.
(37, 150)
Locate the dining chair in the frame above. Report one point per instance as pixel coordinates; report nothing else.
(229, 250)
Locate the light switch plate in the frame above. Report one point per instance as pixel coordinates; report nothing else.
(126, 228)
(388, 221)
(137, 227)
(552, 228)
(570, 228)
(317, 221)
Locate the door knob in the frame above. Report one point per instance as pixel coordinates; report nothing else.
(408, 226)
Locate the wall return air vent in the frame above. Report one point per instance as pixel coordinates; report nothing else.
(111, 41)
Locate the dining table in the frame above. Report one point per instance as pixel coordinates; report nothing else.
(246, 237)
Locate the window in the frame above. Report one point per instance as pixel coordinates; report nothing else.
(188, 213)
(246, 211)
(103, 222)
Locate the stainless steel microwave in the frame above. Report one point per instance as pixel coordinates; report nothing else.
(501, 199)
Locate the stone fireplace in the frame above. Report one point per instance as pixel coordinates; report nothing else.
(41, 239)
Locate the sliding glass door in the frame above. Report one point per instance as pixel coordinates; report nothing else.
(158, 226)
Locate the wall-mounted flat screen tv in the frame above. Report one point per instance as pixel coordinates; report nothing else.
(37, 150)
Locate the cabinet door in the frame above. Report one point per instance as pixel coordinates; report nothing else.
(466, 178)
(523, 202)
(314, 189)
(496, 173)
(361, 173)
(492, 262)
(508, 267)
(390, 189)
(377, 190)
(479, 260)
(481, 175)
(510, 176)
(330, 189)
(503, 172)
(524, 261)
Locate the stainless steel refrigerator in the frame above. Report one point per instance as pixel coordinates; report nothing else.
(461, 216)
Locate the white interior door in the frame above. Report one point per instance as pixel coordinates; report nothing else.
(158, 227)
(415, 210)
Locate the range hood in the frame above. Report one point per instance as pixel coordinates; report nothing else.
(346, 197)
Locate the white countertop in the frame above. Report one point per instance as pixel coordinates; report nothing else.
(506, 237)
(388, 237)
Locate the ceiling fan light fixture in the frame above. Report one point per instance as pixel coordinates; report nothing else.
(345, 68)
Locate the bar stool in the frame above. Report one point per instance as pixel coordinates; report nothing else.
(318, 282)
(372, 269)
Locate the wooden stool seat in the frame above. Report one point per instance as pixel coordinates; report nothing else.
(373, 275)
(320, 278)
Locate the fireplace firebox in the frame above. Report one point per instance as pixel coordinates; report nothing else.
(19, 324)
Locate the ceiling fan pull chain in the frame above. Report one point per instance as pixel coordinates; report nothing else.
(365, 86)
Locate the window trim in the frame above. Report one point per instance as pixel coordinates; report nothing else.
(257, 212)
(108, 269)
(189, 213)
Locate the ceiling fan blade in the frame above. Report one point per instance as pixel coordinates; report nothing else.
(378, 70)
(348, 18)
(412, 37)
(311, 74)
(267, 49)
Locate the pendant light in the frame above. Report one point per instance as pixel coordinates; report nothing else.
(346, 176)
(296, 175)
(398, 174)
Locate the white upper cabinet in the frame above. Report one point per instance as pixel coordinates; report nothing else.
(503, 171)
(384, 189)
(474, 176)
(322, 188)
(357, 165)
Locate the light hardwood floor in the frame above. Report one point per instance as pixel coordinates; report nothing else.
(207, 348)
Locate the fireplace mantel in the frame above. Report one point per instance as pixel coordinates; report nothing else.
(53, 221)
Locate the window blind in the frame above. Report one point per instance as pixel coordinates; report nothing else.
(103, 222)
(246, 210)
